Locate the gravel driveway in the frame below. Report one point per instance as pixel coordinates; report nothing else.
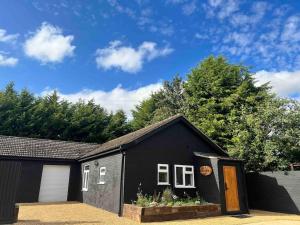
(78, 213)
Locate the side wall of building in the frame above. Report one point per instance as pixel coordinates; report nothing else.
(212, 194)
(30, 180)
(9, 179)
(106, 196)
(174, 145)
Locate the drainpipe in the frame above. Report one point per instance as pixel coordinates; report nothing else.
(122, 183)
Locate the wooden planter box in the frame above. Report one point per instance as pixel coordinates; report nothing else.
(164, 213)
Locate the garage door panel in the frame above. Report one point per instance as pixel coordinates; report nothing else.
(54, 183)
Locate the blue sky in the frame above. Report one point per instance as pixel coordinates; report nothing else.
(118, 52)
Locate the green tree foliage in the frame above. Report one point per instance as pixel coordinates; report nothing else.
(245, 119)
(216, 93)
(23, 114)
(143, 114)
(170, 100)
(166, 102)
(268, 139)
(118, 125)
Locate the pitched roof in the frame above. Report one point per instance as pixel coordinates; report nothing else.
(43, 148)
(53, 149)
(136, 136)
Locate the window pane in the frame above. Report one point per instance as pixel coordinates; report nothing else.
(86, 180)
(101, 179)
(189, 169)
(188, 180)
(83, 182)
(179, 175)
(162, 177)
(163, 167)
(102, 170)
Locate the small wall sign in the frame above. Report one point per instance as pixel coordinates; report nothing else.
(206, 170)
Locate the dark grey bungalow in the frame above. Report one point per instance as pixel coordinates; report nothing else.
(171, 153)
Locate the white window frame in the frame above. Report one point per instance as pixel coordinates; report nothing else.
(85, 178)
(102, 173)
(159, 170)
(184, 172)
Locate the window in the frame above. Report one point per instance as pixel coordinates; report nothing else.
(102, 175)
(184, 176)
(163, 174)
(85, 179)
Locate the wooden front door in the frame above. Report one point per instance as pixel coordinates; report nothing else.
(231, 189)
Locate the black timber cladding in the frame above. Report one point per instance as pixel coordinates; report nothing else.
(211, 194)
(135, 137)
(277, 191)
(30, 180)
(106, 196)
(9, 179)
(174, 145)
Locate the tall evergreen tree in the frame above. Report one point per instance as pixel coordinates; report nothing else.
(23, 114)
(216, 93)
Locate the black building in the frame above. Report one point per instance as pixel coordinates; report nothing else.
(170, 153)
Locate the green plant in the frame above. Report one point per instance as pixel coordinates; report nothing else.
(167, 198)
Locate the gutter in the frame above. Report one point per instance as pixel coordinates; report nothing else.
(121, 201)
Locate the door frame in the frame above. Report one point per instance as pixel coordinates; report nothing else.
(241, 183)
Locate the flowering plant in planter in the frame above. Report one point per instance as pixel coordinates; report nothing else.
(166, 198)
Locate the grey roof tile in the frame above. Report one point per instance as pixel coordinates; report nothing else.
(43, 148)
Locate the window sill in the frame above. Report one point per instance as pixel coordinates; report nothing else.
(84, 189)
(162, 184)
(185, 186)
(101, 183)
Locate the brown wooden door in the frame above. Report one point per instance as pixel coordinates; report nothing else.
(231, 188)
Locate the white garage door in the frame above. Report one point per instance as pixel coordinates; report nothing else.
(54, 183)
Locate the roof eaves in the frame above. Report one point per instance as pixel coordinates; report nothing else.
(100, 154)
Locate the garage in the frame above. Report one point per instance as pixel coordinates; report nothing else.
(54, 183)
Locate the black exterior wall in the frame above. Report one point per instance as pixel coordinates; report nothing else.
(30, 180)
(174, 145)
(106, 196)
(274, 191)
(9, 179)
(241, 182)
(211, 194)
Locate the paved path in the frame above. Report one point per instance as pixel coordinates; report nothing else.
(78, 213)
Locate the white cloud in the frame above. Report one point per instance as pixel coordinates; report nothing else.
(271, 43)
(291, 30)
(9, 38)
(284, 83)
(228, 8)
(175, 1)
(121, 9)
(258, 10)
(201, 36)
(221, 9)
(7, 61)
(49, 45)
(127, 58)
(189, 8)
(117, 98)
